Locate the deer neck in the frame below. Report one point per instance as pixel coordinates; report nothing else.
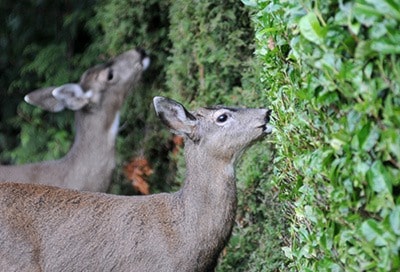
(95, 135)
(209, 196)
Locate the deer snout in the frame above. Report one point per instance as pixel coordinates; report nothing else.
(145, 59)
(267, 118)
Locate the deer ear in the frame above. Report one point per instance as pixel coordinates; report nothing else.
(55, 99)
(174, 115)
(72, 96)
(44, 99)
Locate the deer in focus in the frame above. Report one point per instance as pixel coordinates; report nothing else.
(44, 228)
(96, 100)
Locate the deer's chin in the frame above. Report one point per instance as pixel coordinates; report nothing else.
(268, 129)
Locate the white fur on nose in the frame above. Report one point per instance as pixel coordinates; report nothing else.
(146, 63)
(268, 129)
(27, 100)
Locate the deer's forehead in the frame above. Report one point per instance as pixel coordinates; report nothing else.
(209, 111)
(213, 112)
(92, 73)
(220, 107)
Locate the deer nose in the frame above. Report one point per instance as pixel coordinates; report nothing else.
(144, 57)
(267, 117)
(142, 52)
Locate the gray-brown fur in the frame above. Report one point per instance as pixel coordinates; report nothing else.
(96, 101)
(44, 228)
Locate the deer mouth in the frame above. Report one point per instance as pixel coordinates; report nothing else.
(267, 128)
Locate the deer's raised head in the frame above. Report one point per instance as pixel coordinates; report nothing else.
(96, 100)
(111, 79)
(220, 131)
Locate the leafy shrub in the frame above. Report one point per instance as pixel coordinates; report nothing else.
(211, 52)
(331, 70)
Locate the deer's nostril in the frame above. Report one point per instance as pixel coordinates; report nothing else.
(268, 116)
(142, 53)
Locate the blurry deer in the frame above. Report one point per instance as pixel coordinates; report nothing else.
(43, 228)
(96, 100)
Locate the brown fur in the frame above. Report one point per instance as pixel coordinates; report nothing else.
(45, 228)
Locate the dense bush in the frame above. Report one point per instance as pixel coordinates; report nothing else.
(332, 71)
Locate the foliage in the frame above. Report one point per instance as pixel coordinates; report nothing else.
(331, 69)
(210, 52)
(137, 171)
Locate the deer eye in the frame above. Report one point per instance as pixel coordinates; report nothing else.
(222, 118)
(110, 75)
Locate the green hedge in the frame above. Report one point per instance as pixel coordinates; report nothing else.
(332, 72)
(211, 52)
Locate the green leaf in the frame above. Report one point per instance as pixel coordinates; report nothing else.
(288, 252)
(367, 137)
(366, 14)
(388, 8)
(250, 3)
(372, 232)
(378, 178)
(394, 219)
(311, 29)
(363, 49)
(385, 46)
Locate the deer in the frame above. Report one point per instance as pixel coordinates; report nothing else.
(45, 228)
(96, 100)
